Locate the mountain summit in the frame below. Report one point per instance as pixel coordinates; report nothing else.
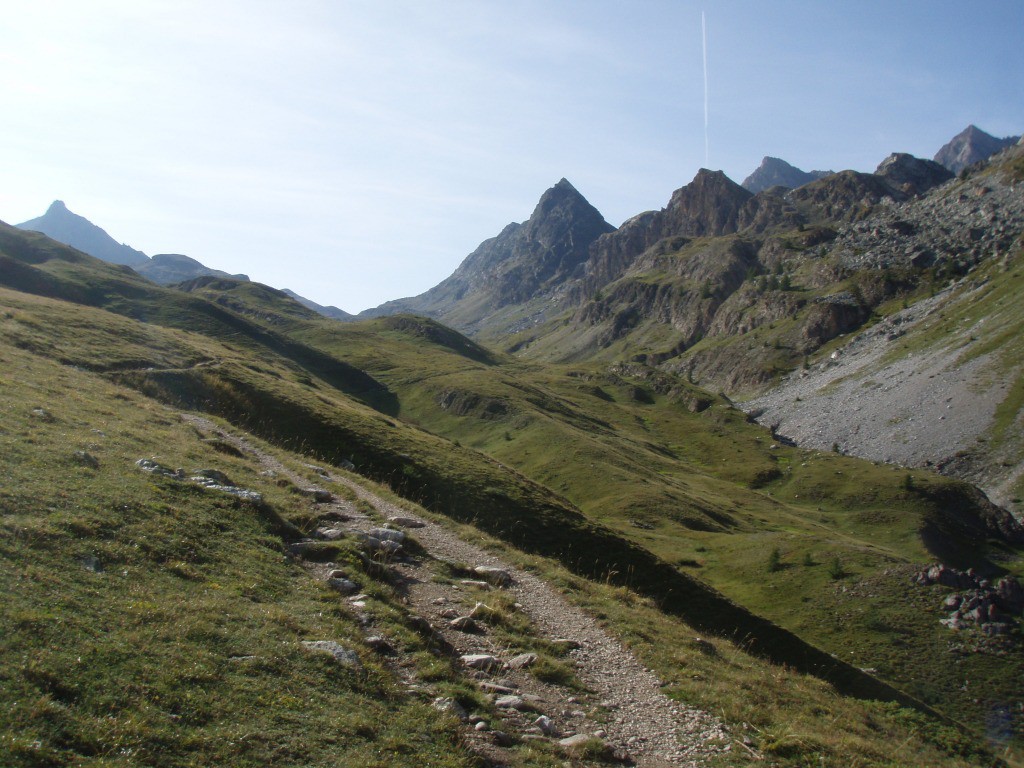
(524, 262)
(970, 146)
(774, 172)
(78, 232)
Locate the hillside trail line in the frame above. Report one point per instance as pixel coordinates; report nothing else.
(618, 699)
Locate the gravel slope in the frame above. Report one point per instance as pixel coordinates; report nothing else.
(916, 409)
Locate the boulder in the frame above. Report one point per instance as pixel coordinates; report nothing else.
(388, 534)
(464, 624)
(1010, 595)
(343, 585)
(342, 655)
(380, 645)
(319, 495)
(522, 661)
(480, 661)
(565, 644)
(87, 459)
(450, 706)
(330, 534)
(499, 577)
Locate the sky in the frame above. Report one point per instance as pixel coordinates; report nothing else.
(356, 151)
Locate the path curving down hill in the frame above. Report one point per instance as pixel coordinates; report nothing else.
(617, 700)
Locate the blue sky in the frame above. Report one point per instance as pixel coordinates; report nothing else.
(357, 151)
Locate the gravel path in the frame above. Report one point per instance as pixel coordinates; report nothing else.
(620, 702)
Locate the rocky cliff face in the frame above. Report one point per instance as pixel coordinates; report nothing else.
(774, 172)
(709, 206)
(523, 263)
(970, 146)
(910, 176)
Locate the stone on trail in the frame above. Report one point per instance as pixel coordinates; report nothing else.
(519, 703)
(499, 577)
(464, 624)
(406, 522)
(330, 534)
(319, 495)
(387, 534)
(564, 645)
(495, 687)
(480, 661)
(522, 661)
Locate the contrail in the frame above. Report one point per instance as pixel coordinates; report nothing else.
(707, 141)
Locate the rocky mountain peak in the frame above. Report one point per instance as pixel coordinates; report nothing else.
(911, 175)
(970, 146)
(69, 228)
(775, 172)
(707, 206)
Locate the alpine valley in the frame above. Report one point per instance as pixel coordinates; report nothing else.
(737, 482)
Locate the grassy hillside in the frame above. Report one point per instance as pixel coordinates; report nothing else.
(149, 622)
(687, 478)
(627, 476)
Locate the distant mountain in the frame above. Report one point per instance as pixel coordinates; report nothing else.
(970, 146)
(774, 172)
(912, 175)
(320, 309)
(164, 268)
(171, 268)
(524, 262)
(78, 232)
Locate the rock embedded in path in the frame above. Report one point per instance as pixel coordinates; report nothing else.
(387, 534)
(522, 661)
(499, 577)
(319, 495)
(496, 688)
(330, 534)
(564, 645)
(464, 624)
(545, 724)
(481, 661)
(406, 522)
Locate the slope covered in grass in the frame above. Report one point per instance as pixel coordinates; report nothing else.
(626, 475)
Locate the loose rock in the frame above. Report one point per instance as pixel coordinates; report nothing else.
(344, 656)
(522, 661)
(451, 707)
(480, 661)
(499, 577)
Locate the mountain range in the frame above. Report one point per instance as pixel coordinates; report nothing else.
(162, 268)
(771, 445)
